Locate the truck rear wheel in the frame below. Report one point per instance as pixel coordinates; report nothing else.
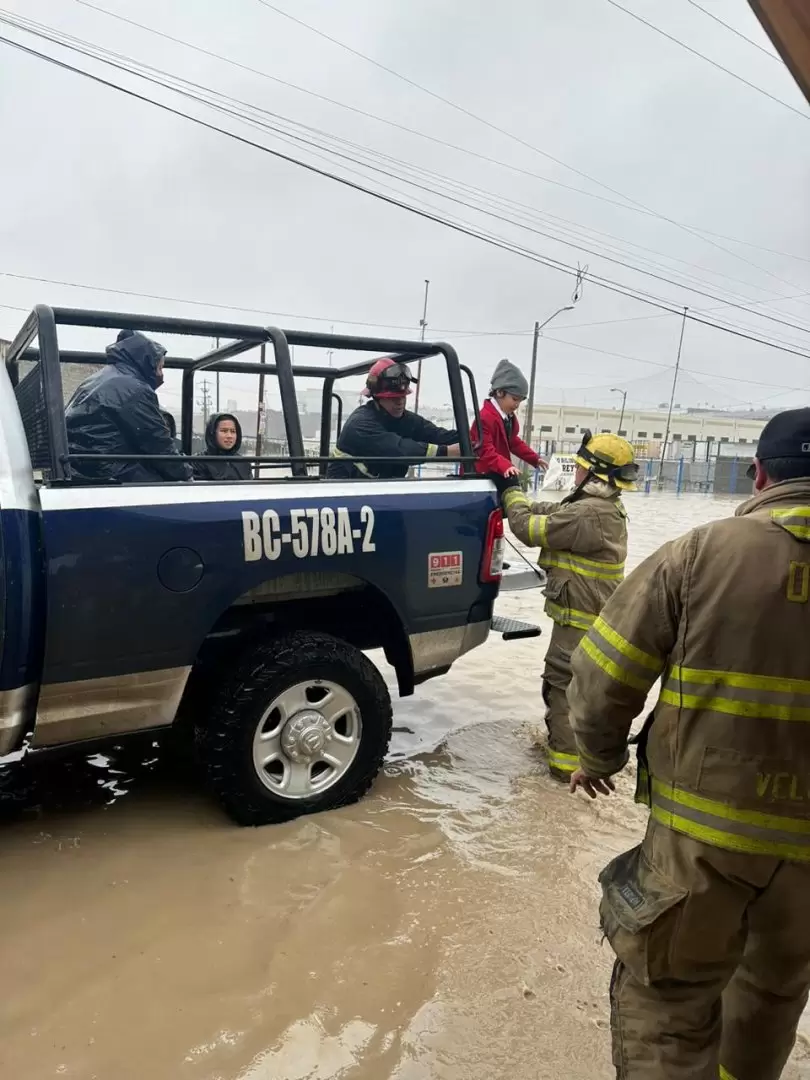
(301, 725)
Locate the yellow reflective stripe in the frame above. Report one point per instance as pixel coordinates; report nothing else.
(626, 648)
(592, 650)
(357, 464)
(432, 450)
(743, 681)
(512, 496)
(801, 532)
(800, 528)
(565, 616)
(730, 813)
(726, 1075)
(568, 562)
(792, 511)
(537, 530)
(563, 762)
(596, 563)
(754, 710)
(595, 763)
(731, 841)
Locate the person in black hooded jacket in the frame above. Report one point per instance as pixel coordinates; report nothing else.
(116, 411)
(223, 437)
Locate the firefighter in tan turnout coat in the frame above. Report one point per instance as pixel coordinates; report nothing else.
(710, 916)
(584, 546)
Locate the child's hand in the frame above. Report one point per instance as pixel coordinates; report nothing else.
(511, 471)
(542, 464)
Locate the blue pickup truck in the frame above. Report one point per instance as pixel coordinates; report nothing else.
(240, 611)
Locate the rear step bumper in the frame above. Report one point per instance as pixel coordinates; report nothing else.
(512, 629)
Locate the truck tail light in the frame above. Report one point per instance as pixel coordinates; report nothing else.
(492, 561)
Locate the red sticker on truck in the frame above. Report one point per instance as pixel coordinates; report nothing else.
(445, 569)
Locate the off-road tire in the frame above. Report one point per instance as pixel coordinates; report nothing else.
(224, 736)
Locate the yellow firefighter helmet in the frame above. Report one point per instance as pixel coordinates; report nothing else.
(609, 458)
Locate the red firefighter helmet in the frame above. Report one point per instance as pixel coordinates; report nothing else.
(388, 378)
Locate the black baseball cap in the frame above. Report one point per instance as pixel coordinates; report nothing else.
(786, 435)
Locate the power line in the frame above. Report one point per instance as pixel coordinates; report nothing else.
(98, 53)
(668, 367)
(708, 59)
(359, 112)
(737, 33)
(461, 228)
(637, 208)
(516, 138)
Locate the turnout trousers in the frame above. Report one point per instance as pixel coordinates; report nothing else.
(562, 751)
(713, 959)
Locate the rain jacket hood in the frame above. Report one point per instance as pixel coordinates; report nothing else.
(211, 445)
(231, 464)
(138, 355)
(116, 411)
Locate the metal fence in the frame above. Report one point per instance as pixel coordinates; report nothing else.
(719, 475)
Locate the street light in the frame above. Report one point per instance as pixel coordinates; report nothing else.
(533, 375)
(614, 390)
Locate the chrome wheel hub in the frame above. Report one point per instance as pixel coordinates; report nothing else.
(305, 736)
(307, 739)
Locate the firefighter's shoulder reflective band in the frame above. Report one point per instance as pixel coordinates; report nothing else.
(578, 564)
(361, 468)
(563, 762)
(726, 1075)
(795, 520)
(566, 616)
(717, 823)
(619, 658)
(765, 697)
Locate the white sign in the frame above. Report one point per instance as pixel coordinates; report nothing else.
(560, 473)
(445, 569)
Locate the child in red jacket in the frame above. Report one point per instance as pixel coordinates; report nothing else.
(499, 437)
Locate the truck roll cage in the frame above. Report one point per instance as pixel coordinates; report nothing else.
(39, 391)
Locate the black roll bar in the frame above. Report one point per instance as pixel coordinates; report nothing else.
(476, 410)
(43, 321)
(339, 402)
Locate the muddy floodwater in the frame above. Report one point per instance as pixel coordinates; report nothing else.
(445, 928)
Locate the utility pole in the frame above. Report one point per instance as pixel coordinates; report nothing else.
(216, 346)
(423, 325)
(671, 401)
(205, 403)
(532, 380)
(615, 390)
(533, 373)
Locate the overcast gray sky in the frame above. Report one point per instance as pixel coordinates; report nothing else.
(103, 190)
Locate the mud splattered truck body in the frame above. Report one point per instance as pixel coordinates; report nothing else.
(237, 611)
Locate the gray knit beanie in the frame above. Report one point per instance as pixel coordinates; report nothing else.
(508, 376)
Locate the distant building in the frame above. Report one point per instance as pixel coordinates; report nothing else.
(561, 426)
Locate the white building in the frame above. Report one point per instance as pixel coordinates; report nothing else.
(563, 425)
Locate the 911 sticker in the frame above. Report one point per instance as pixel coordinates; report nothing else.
(445, 569)
(324, 530)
